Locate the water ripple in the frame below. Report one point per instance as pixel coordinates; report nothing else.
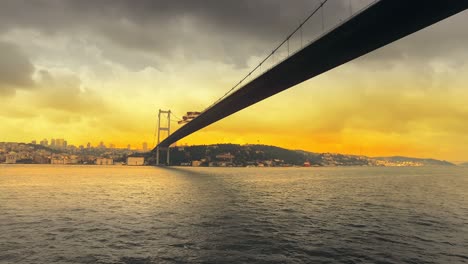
(214, 215)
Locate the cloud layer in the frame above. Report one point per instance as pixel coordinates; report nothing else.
(15, 69)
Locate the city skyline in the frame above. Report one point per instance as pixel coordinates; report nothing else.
(64, 143)
(94, 77)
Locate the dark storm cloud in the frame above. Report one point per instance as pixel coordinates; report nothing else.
(226, 31)
(254, 17)
(15, 69)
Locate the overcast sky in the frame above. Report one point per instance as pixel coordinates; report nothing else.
(99, 70)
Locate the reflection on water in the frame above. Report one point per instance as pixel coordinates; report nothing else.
(118, 214)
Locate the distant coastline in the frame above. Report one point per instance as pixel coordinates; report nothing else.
(216, 155)
(225, 155)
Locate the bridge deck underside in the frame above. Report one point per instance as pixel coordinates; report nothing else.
(383, 23)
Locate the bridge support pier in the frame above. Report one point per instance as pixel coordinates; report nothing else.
(167, 156)
(158, 149)
(157, 156)
(166, 128)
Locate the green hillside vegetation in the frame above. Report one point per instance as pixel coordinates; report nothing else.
(245, 155)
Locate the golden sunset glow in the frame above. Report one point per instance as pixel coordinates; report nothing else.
(86, 85)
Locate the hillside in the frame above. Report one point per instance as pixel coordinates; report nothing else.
(245, 155)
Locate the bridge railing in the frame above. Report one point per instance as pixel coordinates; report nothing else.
(324, 17)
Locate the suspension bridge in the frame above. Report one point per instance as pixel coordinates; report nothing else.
(379, 23)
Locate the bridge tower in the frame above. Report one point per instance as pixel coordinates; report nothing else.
(163, 128)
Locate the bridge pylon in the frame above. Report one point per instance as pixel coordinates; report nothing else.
(167, 128)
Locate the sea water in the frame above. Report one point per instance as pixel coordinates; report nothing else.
(123, 214)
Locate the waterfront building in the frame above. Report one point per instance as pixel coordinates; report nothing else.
(135, 161)
(73, 159)
(104, 161)
(40, 158)
(11, 158)
(57, 160)
(196, 163)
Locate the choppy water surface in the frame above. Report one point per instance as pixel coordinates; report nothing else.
(118, 214)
